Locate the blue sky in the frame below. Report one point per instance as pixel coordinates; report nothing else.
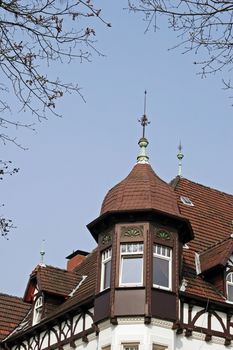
(73, 161)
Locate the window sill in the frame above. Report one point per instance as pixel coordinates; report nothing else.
(129, 287)
(162, 290)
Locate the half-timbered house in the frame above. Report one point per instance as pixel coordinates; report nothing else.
(160, 278)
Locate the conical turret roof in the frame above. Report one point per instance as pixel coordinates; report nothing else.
(141, 189)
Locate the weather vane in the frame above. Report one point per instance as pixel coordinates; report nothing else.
(180, 156)
(144, 120)
(42, 253)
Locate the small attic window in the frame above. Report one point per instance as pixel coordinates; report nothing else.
(186, 201)
(229, 286)
(37, 310)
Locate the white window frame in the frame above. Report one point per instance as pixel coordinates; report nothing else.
(131, 254)
(106, 257)
(164, 254)
(37, 311)
(229, 282)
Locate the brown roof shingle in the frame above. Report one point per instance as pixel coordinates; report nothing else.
(210, 217)
(56, 281)
(141, 189)
(12, 312)
(216, 255)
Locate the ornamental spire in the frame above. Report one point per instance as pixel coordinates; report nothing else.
(180, 156)
(142, 157)
(42, 253)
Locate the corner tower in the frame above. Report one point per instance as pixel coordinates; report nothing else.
(140, 234)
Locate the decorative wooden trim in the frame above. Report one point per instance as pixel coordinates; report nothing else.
(132, 231)
(106, 238)
(63, 332)
(162, 234)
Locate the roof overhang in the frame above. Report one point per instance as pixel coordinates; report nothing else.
(110, 218)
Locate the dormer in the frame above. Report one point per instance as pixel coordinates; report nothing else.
(216, 266)
(49, 287)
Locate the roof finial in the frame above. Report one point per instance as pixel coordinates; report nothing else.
(143, 142)
(42, 253)
(180, 156)
(143, 120)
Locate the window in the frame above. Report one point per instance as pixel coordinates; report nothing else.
(131, 270)
(159, 347)
(106, 269)
(186, 201)
(162, 266)
(131, 347)
(106, 347)
(37, 310)
(230, 286)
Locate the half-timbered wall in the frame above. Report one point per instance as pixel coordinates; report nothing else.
(69, 335)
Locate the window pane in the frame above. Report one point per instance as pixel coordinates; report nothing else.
(131, 270)
(159, 347)
(161, 272)
(131, 347)
(107, 274)
(230, 292)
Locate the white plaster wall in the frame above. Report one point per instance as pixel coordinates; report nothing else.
(158, 332)
(197, 342)
(215, 324)
(186, 309)
(223, 317)
(88, 321)
(44, 342)
(53, 338)
(130, 331)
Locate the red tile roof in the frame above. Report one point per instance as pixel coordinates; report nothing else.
(86, 289)
(56, 281)
(51, 280)
(210, 217)
(216, 255)
(12, 311)
(141, 189)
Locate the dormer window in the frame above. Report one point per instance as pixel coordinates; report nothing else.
(37, 314)
(186, 201)
(131, 266)
(106, 269)
(162, 262)
(229, 286)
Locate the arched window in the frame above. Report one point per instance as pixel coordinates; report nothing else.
(229, 286)
(37, 310)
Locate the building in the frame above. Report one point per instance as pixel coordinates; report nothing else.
(160, 278)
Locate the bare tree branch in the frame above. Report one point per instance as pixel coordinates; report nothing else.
(32, 34)
(203, 26)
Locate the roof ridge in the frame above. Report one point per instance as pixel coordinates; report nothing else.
(11, 296)
(55, 268)
(208, 187)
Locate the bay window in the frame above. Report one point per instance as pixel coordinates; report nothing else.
(162, 263)
(131, 265)
(106, 269)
